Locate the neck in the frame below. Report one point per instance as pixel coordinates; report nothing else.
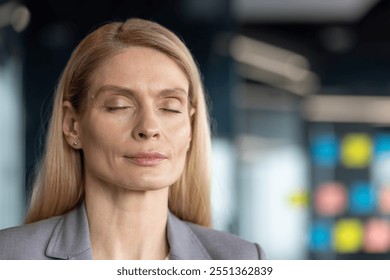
(127, 224)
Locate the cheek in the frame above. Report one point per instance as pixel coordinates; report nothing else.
(99, 138)
(180, 133)
(180, 141)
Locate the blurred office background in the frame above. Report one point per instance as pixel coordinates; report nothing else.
(300, 103)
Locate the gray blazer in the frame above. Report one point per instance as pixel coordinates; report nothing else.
(67, 237)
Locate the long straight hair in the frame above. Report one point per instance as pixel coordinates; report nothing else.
(59, 187)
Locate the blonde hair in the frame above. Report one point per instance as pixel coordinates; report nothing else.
(58, 187)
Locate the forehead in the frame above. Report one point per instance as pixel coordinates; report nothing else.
(140, 68)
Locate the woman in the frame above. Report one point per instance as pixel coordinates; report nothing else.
(125, 173)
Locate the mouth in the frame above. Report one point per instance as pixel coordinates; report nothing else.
(146, 158)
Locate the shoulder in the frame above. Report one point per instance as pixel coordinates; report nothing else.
(223, 245)
(27, 241)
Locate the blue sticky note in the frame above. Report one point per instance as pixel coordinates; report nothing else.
(362, 199)
(324, 150)
(320, 236)
(382, 144)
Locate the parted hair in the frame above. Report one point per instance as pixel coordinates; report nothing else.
(59, 182)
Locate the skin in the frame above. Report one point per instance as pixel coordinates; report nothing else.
(134, 136)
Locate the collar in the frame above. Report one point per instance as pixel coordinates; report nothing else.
(183, 243)
(70, 238)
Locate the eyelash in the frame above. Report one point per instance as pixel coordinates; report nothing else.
(171, 110)
(112, 109)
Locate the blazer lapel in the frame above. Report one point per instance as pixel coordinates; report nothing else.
(70, 238)
(183, 243)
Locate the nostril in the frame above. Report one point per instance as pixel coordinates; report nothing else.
(146, 134)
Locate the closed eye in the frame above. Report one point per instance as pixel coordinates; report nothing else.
(171, 110)
(116, 108)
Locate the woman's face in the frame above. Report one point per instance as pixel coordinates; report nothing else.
(136, 131)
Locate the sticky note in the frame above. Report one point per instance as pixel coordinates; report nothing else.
(320, 236)
(330, 199)
(324, 150)
(376, 236)
(299, 198)
(384, 200)
(362, 198)
(348, 236)
(382, 144)
(356, 150)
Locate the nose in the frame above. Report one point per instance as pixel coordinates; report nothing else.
(147, 126)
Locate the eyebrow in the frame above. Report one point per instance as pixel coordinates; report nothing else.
(126, 91)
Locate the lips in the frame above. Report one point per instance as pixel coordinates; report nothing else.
(146, 158)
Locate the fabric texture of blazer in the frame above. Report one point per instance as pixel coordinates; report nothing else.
(67, 237)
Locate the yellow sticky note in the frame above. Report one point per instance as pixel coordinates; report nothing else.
(299, 198)
(348, 236)
(356, 150)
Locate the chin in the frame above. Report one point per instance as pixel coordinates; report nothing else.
(145, 186)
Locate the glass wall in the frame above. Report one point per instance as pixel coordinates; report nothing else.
(12, 180)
